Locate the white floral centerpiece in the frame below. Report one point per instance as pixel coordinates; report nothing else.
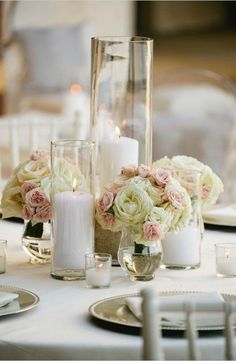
(210, 184)
(148, 202)
(27, 194)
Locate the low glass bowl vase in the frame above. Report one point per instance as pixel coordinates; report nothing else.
(138, 260)
(36, 242)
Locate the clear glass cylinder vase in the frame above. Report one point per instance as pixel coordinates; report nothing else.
(121, 113)
(121, 100)
(182, 249)
(73, 207)
(138, 259)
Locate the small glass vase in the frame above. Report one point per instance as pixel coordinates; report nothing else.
(182, 250)
(139, 261)
(36, 242)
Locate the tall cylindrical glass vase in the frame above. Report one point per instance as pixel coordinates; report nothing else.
(73, 207)
(121, 103)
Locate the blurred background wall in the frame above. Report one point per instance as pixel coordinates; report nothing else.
(187, 34)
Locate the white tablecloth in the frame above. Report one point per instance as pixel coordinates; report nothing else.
(60, 327)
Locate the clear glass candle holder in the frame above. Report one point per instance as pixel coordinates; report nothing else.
(121, 99)
(225, 259)
(3, 255)
(182, 249)
(98, 270)
(73, 207)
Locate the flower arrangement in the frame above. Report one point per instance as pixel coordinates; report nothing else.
(147, 201)
(27, 193)
(210, 184)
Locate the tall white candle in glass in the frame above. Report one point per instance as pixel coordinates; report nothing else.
(73, 207)
(73, 228)
(226, 259)
(116, 153)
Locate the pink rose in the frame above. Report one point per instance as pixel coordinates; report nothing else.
(206, 190)
(177, 198)
(36, 198)
(37, 154)
(129, 170)
(152, 231)
(106, 200)
(143, 170)
(43, 214)
(26, 187)
(109, 219)
(160, 176)
(28, 212)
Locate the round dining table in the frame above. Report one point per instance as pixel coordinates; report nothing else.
(60, 326)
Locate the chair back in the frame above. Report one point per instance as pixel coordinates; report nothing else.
(21, 134)
(193, 110)
(152, 336)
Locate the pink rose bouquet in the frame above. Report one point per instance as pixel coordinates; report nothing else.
(24, 195)
(147, 201)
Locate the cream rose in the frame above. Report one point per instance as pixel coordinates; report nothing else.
(33, 171)
(131, 205)
(63, 177)
(212, 186)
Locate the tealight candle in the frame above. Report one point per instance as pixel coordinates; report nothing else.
(226, 259)
(98, 270)
(3, 251)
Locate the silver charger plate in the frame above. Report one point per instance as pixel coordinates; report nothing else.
(24, 302)
(115, 311)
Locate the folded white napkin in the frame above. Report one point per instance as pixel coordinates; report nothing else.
(223, 214)
(7, 297)
(177, 318)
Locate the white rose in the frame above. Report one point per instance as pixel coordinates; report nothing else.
(131, 205)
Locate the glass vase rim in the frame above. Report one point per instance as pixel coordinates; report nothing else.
(123, 39)
(72, 143)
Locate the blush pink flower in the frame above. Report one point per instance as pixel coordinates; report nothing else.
(43, 214)
(37, 154)
(177, 198)
(152, 231)
(27, 212)
(36, 198)
(206, 190)
(160, 176)
(129, 170)
(143, 170)
(26, 187)
(106, 200)
(109, 219)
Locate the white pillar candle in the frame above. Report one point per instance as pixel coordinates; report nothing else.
(73, 229)
(114, 154)
(182, 248)
(226, 265)
(98, 277)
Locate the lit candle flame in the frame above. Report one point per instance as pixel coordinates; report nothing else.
(74, 184)
(75, 89)
(117, 131)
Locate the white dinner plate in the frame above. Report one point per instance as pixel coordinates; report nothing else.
(114, 310)
(221, 215)
(24, 302)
